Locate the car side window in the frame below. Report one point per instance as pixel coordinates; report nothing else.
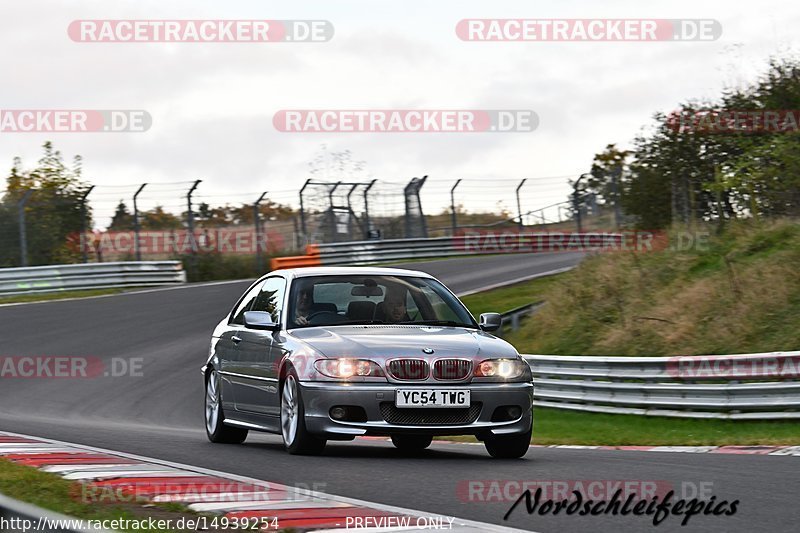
(270, 299)
(245, 304)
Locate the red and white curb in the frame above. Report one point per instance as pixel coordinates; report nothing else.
(228, 495)
(736, 450)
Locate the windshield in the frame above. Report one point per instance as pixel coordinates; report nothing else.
(343, 300)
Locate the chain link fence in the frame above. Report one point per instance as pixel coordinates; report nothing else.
(240, 231)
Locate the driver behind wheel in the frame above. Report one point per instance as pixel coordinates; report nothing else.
(305, 299)
(394, 305)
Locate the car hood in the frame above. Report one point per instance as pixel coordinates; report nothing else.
(382, 342)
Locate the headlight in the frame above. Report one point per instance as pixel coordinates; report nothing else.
(344, 368)
(503, 369)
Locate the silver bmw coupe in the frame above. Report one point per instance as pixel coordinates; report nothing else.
(329, 353)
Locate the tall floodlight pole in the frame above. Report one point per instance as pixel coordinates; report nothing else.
(84, 225)
(453, 216)
(519, 204)
(258, 232)
(136, 225)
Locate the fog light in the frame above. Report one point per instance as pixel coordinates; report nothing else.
(514, 412)
(338, 413)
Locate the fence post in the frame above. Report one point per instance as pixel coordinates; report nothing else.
(519, 204)
(303, 211)
(190, 224)
(350, 213)
(576, 202)
(615, 176)
(414, 204)
(366, 208)
(136, 225)
(84, 225)
(257, 224)
(454, 219)
(23, 237)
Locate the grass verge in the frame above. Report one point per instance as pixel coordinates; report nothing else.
(556, 426)
(46, 297)
(738, 292)
(507, 298)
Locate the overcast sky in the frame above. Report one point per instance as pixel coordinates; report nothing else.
(212, 103)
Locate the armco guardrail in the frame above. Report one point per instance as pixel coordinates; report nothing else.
(747, 386)
(369, 252)
(23, 517)
(89, 276)
(512, 318)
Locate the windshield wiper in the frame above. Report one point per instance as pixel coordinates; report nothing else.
(438, 323)
(357, 322)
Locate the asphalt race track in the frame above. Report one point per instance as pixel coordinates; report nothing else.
(159, 414)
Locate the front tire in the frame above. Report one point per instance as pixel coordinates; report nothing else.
(509, 446)
(411, 443)
(296, 438)
(216, 429)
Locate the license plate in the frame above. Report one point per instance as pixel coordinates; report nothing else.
(431, 398)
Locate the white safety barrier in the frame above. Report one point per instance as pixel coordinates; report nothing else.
(89, 276)
(746, 386)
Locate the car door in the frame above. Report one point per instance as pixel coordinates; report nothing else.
(257, 382)
(227, 346)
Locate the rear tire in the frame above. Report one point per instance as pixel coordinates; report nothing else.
(508, 446)
(411, 443)
(296, 438)
(216, 429)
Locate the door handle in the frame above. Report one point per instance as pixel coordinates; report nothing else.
(236, 340)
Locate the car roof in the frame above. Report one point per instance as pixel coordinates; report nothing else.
(348, 271)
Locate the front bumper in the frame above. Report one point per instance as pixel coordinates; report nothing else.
(319, 398)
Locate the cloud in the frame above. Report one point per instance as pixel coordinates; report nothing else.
(212, 104)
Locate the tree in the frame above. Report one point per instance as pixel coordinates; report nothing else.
(122, 219)
(682, 173)
(53, 213)
(158, 219)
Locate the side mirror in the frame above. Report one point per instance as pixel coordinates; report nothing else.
(490, 321)
(260, 320)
